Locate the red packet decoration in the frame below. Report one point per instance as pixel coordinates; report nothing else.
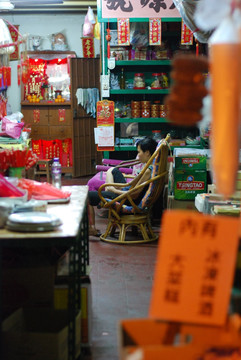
(88, 47)
(186, 35)
(25, 69)
(14, 35)
(195, 268)
(19, 74)
(61, 115)
(37, 148)
(154, 31)
(123, 31)
(36, 116)
(8, 75)
(67, 159)
(57, 149)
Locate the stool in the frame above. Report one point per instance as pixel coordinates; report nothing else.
(43, 167)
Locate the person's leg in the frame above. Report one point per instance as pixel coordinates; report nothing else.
(94, 200)
(109, 177)
(114, 175)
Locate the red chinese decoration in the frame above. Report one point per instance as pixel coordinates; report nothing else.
(155, 32)
(36, 115)
(123, 30)
(88, 47)
(61, 115)
(14, 35)
(186, 35)
(25, 69)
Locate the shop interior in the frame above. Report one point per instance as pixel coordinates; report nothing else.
(153, 271)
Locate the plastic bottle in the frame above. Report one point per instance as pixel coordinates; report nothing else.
(56, 173)
(122, 79)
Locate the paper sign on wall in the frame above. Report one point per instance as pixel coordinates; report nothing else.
(195, 267)
(105, 125)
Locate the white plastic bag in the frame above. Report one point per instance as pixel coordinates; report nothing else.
(5, 39)
(187, 9)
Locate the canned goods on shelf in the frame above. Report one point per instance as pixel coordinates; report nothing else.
(163, 113)
(136, 113)
(135, 105)
(145, 104)
(145, 113)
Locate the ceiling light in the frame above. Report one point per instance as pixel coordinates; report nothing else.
(6, 5)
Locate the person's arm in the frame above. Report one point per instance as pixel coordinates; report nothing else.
(144, 178)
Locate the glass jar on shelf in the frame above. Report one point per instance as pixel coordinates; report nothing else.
(156, 81)
(156, 135)
(164, 81)
(139, 81)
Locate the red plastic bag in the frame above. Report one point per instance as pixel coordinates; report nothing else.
(7, 189)
(42, 191)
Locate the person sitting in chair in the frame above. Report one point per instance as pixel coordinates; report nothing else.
(145, 148)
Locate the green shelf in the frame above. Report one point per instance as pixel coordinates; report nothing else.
(125, 148)
(131, 148)
(141, 120)
(143, 91)
(143, 62)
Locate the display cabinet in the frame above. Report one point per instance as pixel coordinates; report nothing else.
(59, 125)
(151, 63)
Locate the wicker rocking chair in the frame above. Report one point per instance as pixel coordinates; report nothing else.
(122, 215)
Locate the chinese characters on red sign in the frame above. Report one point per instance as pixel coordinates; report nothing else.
(138, 9)
(186, 35)
(88, 47)
(195, 267)
(123, 30)
(154, 31)
(14, 35)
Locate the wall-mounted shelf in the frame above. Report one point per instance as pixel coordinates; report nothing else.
(136, 92)
(142, 62)
(141, 120)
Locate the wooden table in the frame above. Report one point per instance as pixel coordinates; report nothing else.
(72, 234)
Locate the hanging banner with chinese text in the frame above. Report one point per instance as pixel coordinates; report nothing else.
(88, 47)
(186, 35)
(123, 31)
(154, 31)
(138, 9)
(105, 125)
(36, 116)
(195, 268)
(14, 35)
(61, 115)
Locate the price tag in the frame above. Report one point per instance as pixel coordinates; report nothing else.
(195, 267)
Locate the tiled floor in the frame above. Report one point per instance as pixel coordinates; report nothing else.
(121, 283)
(121, 278)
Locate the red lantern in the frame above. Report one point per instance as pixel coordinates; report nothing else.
(108, 39)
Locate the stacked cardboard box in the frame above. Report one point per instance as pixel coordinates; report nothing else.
(190, 177)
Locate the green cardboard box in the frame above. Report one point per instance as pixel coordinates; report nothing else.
(191, 162)
(189, 183)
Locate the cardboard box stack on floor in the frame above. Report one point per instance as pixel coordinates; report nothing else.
(38, 333)
(187, 178)
(32, 329)
(61, 297)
